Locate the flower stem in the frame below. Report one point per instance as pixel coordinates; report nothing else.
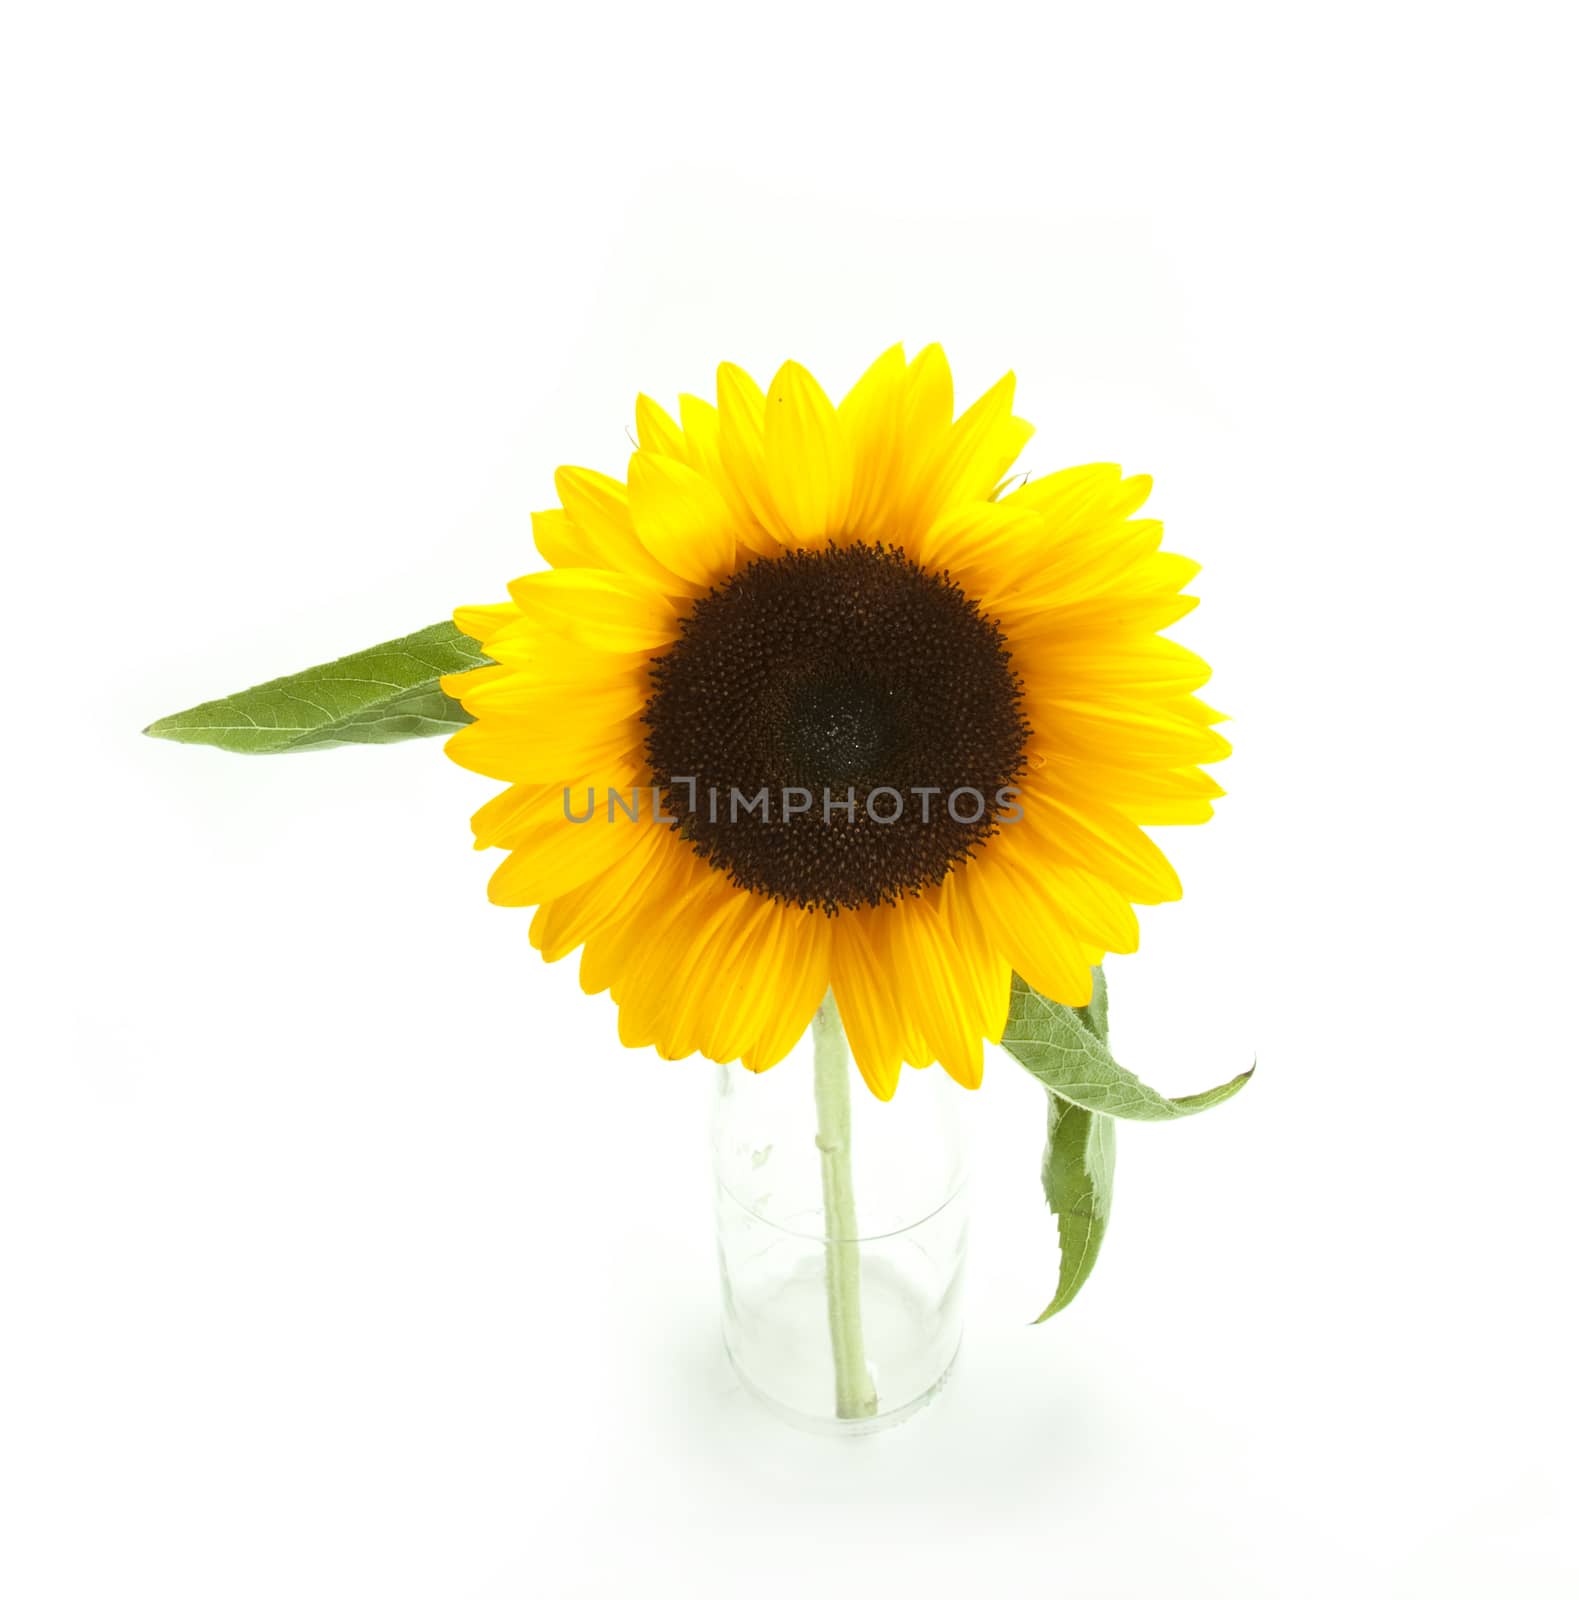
(854, 1394)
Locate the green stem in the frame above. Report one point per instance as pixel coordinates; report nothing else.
(854, 1394)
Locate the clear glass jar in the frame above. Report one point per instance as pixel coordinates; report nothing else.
(841, 1234)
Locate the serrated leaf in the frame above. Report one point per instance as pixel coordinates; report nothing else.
(1065, 1048)
(1094, 1013)
(1077, 1178)
(1077, 1169)
(1066, 1055)
(377, 696)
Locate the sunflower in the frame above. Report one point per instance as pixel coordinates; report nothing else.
(814, 699)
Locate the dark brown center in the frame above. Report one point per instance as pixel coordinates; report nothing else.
(835, 728)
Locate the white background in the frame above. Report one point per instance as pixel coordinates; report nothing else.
(342, 1250)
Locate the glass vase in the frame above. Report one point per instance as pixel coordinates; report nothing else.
(841, 1234)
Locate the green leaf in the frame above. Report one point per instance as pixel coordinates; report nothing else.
(376, 696)
(1094, 1013)
(1069, 1057)
(1077, 1178)
(1065, 1049)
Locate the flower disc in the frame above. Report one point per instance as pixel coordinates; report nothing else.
(835, 728)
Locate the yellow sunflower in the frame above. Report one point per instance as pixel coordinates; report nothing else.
(812, 699)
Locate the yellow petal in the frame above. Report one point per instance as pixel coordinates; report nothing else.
(568, 920)
(473, 681)
(984, 971)
(700, 423)
(555, 856)
(742, 409)
(1100, 669)
(1104, 616)
(661, 991)
(983, 544)
(1023, 920)
(806, 458)
(526, 810)
(1095, 911)
(1072, 497)
(704, 436)
(928, 403)
(871, 415)
(604, 610)
(804, 964)
(483, 622)
(714, 974)
(600, 508)
(1111, 559)
(1165, 573)
(610, 951)
(541, 655)
(1125, 735)
(510, 812)
(519, 750)
(681, 518)
(863, 990)
(561, 543)
(658, 432)
(928, 975)
(1075, 778)
(975, 453)
(553, 697)
(1094, 836)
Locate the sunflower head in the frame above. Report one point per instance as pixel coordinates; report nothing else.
(809, 700)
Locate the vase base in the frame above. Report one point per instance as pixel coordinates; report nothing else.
(831, 1427)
